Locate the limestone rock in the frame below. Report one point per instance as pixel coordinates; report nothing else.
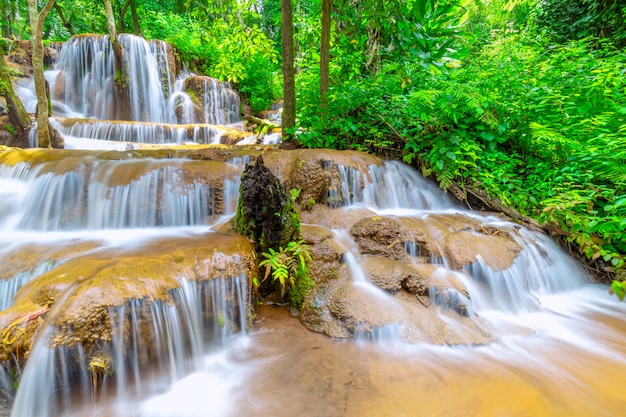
(82, 291)
(497, 251)
(294, 168)
(382, 236)
(198, 87)
(392, 275)
(326, 253)
(462, 239)
(310, 178)
(342, 309)
(333, 218)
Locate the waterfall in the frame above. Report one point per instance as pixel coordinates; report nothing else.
(10, 286)
(89, 197)
(396, 187)
(143, 358)
(161, 107)
(147, 89)
(481, 331)
(221, 103)
(392, 187)
(539, 270)
(153, 133)
(85, 76)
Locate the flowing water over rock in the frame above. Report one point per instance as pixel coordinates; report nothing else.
(124, 291)
(138, 297)
(167, 105)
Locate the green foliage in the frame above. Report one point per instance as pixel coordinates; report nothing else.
(262, 83)
(244, 56)
(289, 270)
(619, 289)
(295, 193)
(373, 32)
(565, 112)
(430, 116)
(539, 125)
(578, 19)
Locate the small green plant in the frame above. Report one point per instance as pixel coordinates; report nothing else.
(289, 270)
(295, 193)
(619, 289)
(221, 319)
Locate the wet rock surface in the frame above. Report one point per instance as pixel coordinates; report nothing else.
(199, 87)
(81, 292)
(265, 212)
(325, 252)
(395, 252)
(382, 236)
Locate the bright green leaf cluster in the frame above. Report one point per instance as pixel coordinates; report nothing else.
(289, 270)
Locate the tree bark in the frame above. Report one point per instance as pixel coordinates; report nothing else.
(289, 93)
(122, 92)
(325, 57)
(121, 28)
(260, 122)
(17, 113)
(133, 13)
(65, 22)
(8, 12)
(36, 24)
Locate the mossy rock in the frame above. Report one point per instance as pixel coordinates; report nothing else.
(81, 292)
(265, 212)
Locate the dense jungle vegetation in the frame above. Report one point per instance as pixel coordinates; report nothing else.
(519, 103)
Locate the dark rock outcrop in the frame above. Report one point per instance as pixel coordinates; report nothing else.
(265, 212)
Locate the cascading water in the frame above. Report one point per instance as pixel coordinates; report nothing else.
(84, 76)
(152, 235)
(161, 352)
(148, 87)
(174, 343)
(540, 269)
(161, 109)
(221, 104)
(105, 205)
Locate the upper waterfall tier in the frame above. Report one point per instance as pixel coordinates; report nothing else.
(84, 77)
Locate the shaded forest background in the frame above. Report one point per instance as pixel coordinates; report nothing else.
(515, 105)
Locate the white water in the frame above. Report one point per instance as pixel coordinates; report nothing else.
(543, 292)
(568, 360)
(82, 86)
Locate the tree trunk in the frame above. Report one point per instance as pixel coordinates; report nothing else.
(36, 24)
(121, 28)
(289, 93)
(17, 114)
(325, 57)
(108, 9)
(121, 80)
(65, 22)
(133, 10)
(8, 12)
(133, 13)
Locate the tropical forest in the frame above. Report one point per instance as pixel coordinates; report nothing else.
(312, 208)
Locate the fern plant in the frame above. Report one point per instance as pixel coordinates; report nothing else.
(289, 270)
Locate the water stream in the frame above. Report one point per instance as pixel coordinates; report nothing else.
(558, 345)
